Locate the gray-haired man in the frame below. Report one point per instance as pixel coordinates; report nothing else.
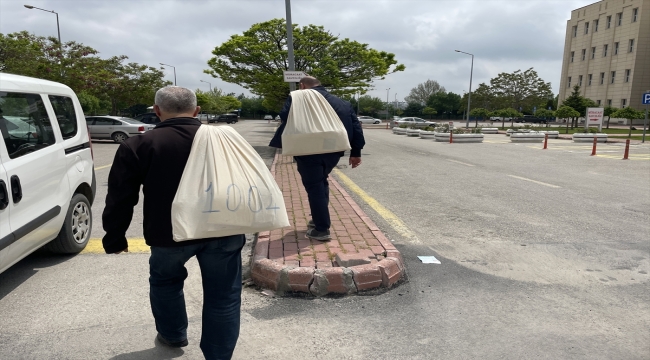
(156, 161)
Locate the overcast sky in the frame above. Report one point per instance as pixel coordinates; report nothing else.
(504, 35)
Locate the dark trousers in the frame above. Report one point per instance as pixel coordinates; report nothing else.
(220, 262)
(314, 170)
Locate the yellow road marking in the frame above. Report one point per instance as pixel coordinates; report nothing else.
(388, 215)
(136, 245)
(534, 181)
(103, 167)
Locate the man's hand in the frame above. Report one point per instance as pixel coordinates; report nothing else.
(119, 252)
(355, 161)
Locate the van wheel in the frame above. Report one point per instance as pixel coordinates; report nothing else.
(119, 137)
(75, 233)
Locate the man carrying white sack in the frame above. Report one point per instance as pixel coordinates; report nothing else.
(315, 168)
(156, 160)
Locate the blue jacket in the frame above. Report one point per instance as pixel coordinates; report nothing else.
(345, 112)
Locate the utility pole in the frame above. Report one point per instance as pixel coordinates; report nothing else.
(292, 65)
(387, 92)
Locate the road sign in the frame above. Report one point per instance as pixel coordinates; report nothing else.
(595, 117)
(646, 99)
(293, 76)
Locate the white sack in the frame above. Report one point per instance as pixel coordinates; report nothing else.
(313, 127)
(226, 189)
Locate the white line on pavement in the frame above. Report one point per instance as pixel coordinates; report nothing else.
(458, 162)
(535, 181)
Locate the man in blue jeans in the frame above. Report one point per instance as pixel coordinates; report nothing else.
(156, 161)
(314, 169)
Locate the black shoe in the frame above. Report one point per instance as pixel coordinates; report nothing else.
(310, 224)
(177, 344)
(319, 235)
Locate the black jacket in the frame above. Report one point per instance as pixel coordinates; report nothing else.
(155, 160)
(345, 112)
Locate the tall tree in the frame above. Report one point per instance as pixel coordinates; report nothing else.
(370, 106)
(609, 110)
(445, 103)
(521, 89)
(421, 93)
(413, 109)
(578, 103)
(257, 58)
(566, 112)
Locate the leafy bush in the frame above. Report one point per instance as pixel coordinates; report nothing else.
(403, 126)
(476, 130)
(459, 130)
(429, 128)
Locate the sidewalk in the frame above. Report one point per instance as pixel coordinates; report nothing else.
(359, 257)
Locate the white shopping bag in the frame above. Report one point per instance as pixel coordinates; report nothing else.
(313, 127)
(226, 189)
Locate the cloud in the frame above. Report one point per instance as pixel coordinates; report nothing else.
(504, 35)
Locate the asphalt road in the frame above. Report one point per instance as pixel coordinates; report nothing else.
(544, 254)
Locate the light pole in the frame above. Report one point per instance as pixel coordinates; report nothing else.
(208, 84)
(395, 107)
(469, 96)
(174, 71)
(58, 30)
(292, 65)
(387, 92)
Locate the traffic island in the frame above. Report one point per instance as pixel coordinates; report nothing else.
(358, 258)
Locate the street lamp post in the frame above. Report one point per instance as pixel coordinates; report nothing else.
(469, 96)
(208, 84)
(395, 107)
(292, 65)
(387, 92)
(58, 29)
(172, 66)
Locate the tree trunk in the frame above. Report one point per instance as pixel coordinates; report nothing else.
(629, 134)
(609, 117)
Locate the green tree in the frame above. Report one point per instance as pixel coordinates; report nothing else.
(413, 109)
(479, 113)
(578, 103)
(89, 103)
(609, 110)
(507, 113)
(429, 111)
(544, 114)
(482, 97)
(566, 112)
(257, 58)
(251, 107)
(629, 114)
(370, 106)
(445, 103)
(519, 89)
(421, 93)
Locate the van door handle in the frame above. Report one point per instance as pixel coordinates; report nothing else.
(16, 189)
(4, 196)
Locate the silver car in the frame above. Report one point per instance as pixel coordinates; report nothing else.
(368, 120)
(413, 121)
(115, 127)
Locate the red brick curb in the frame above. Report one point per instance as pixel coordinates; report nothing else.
(358, 258)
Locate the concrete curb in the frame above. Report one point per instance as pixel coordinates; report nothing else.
(283, 278)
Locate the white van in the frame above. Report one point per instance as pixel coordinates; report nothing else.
(47, 180)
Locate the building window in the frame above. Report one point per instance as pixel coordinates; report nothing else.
(580, 80)
(635, 14)
(602, 78)
(605, 50)
(609, 102)
(628, 72)
(572, 53)
(631, 45)
(613, 76)
(615, 48)
(598, 102)
(575, 31)
(586, 28)
(609, 22)
(593, 52)
(591, 76)
(619, 19)
(595, 25)
(569, 83)
(623, 103)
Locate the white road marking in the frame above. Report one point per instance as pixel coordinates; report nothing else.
(458, 162)
(535, 181)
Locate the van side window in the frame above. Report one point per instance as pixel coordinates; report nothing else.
(24, 124)
(65, 115)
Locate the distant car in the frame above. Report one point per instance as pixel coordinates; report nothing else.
(413, 121)
(227, 118)
(115, 127)
(148, 118)
(531, 119)
(277, 118)
(268, 117)
(368, 120)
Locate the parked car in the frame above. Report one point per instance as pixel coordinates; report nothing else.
(531, 119)
(268, 117)
(148, 118)
(277, 118)
(413, 121)
(47, 179)
(227, 118)
(368, 120)
(116, 128)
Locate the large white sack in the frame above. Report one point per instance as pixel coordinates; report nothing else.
(313, 127)
(226, 189)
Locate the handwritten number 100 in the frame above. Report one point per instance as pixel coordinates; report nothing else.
(234, 199)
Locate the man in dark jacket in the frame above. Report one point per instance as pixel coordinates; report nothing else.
(314, 169)
(156, 161)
